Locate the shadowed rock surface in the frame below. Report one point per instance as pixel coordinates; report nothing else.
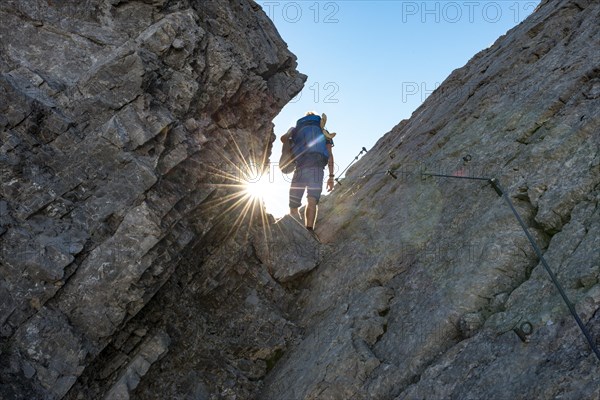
(121, 122)
(128, 268)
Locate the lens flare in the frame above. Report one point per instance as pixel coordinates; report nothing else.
(257, 184)
(244, 187)
(270, 188)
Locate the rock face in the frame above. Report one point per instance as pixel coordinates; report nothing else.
(427, 277)
(122, 123)
(132, 265)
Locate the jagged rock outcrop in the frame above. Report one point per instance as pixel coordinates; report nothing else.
(426, 278)
(121, 125)
(288, 251)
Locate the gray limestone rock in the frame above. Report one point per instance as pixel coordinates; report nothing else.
(461, 272)
(289, 250)
(104, 181)
(149, 352)
(132, 265)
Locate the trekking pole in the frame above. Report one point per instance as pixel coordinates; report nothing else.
(363, 150)
(500, 191)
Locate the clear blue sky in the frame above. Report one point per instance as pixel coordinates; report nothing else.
(370, 64)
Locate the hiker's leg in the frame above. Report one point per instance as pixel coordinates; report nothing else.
(311, 212)
(296, 192)
(315, 187)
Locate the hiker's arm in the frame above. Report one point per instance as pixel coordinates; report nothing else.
(330, 165)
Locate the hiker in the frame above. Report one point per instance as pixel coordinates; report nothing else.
(311, 145)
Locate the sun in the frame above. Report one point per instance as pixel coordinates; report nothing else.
(259, 188)
(248, 191)
(267, 187)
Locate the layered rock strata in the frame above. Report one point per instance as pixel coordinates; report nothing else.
(126, 128)
(132, 266)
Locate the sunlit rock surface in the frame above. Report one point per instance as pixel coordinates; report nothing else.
(426, 278)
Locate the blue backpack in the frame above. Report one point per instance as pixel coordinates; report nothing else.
(308, 137)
